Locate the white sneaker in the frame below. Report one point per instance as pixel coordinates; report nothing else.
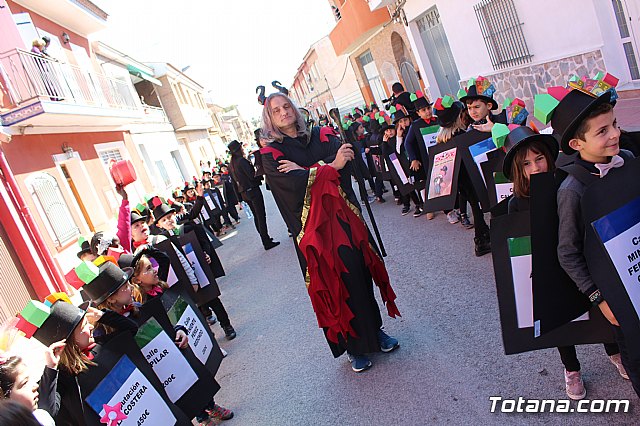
(452, 217)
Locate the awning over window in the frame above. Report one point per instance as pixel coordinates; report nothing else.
(143, 75)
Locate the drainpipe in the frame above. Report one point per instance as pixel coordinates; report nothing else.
(51, 271)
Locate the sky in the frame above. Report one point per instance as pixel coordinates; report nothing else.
(230, 46)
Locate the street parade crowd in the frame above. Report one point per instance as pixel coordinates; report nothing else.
(141, 348)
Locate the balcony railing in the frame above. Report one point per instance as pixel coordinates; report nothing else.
(154, 114)
(29, 76)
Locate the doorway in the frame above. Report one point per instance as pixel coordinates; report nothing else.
(627, 36)
(438, 51)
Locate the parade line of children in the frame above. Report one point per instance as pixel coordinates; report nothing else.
(119, 276)
(160, 266)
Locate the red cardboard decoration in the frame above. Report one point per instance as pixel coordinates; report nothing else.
(73, 279)
(123, 172)
(26, 327)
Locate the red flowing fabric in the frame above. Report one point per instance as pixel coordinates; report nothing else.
(323, 234)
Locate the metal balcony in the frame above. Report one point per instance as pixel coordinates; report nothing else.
(29, 79)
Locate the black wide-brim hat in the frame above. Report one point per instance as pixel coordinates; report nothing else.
(399, 115)
(64, 318)
(234, 146)
(137, 217)
(518, 138)
(421, 102)
(84, 248)
(472, 94)
(109, 280)
(448, 116)
(570, 113)
(161, 211)
(387, 126)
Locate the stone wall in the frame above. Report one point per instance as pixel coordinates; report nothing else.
(528, 81)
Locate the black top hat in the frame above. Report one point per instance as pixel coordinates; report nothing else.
(420, 101)
(472, 94)
(446, 117)
(256, 134)
(386, 126)
(84, 248)
(518, 138)
(234, 146)
(570, 113)
(161, 211)
(188, 186)
(60, 323)
(399, 114)
(110, 278)
(137, 217)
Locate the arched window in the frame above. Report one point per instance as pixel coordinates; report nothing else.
(53, 208)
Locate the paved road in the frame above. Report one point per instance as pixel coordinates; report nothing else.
(280, 371)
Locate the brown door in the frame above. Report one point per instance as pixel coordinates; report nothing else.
(76, 195)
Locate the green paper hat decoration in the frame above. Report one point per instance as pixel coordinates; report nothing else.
(461, 93)
(413, 97)
(499, 133)
(471, 82)
(381, 120)
(35, 313)
(543, 106)
(546, 103)
(81, 240)
(447, 101)
(392, 110)
(365, 118)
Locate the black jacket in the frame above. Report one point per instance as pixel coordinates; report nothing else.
(244, 174)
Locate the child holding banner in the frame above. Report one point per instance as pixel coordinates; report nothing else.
(587, 125)
(115, 298)
(529, 153)
(453, 121)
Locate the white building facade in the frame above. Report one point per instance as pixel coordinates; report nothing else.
(521, 46)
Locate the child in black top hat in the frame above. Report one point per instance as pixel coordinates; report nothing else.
(587, 125)
(453, 121)
(402, 123)
(529, 153)
(68, 331)
(414, 142)
(479, 101)
(166, 220)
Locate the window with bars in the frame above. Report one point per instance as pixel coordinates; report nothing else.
(502, 32)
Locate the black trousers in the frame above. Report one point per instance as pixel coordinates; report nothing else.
(233, 212)
(468, 193)
(218, 308)
(412, 196)
(570, 359)
(254, 198)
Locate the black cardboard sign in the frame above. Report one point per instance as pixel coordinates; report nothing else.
(515, 306)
